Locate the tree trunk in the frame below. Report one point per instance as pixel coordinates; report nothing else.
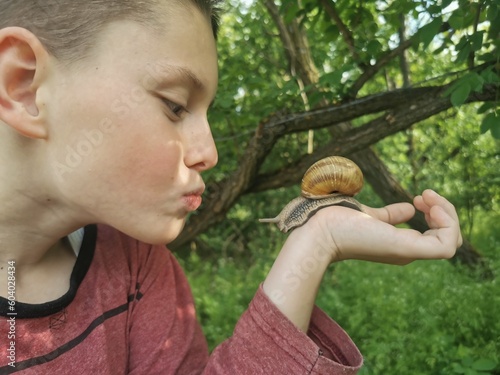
(374, 169)
(401, 114)
(397, 111)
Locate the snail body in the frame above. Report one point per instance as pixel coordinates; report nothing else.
(332, 181)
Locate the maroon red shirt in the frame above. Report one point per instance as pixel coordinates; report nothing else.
(129, 310)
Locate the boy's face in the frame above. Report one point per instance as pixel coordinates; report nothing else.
(128, 132)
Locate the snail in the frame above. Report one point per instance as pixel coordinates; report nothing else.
(332, 181)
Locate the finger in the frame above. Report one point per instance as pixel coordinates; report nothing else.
(429, 199)
(393, 214)
(420, 205)
(446, 228)
(433, 198)
(440, 241)
(388, 244)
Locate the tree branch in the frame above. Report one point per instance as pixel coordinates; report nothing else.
(328, 116)
(356, 139)
(403, 62)
(285, 37)
(347, 35)
(222, 195)
(372, 70)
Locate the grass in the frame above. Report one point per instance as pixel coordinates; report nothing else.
(430, 317)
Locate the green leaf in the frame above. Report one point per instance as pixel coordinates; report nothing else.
(333, 78)
(495, 131)
(474, 80)
(467, 361)
(464, 40)
(457, 368)
(429, 31)
(492, 12)
(332, 30)
(484, 364)
(374, 47)
(452, 88)
(490, 76)
(485, 107)
(460, 94)
(445, 3)
(491, 122)
(476, 41)
(434, 9)
(463, 54)
(457, 20)
(290, 12)
(225, 102)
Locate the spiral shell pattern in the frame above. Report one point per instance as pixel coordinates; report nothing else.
(334, 175)
(332, 181)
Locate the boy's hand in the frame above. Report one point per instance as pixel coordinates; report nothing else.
(349, 234)
(338, 233)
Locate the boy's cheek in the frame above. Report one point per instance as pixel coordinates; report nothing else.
(155, 163)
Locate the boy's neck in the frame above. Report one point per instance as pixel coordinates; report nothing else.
(30, 227)
(44, 281)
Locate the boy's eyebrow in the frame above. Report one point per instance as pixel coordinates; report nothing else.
(187, 74)
(192, 77)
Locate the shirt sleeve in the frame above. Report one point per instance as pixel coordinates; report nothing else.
(266, 342)
(165, 337)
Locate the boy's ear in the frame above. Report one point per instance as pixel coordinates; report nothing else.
(22, 60)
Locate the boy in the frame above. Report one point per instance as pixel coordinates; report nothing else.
(103, 127)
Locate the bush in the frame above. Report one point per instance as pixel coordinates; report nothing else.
(425, 318)
(429, 317)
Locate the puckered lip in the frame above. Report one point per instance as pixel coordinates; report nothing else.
(192, 200)
(196, 192)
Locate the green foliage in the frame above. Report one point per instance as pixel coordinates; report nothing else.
(491, 122)
(465, 168)
(235, 261)
(461, 89)
(426, 318)
(470, 366)
(428, 32)
(222, 292)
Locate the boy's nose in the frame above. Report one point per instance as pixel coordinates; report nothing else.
(201, 153)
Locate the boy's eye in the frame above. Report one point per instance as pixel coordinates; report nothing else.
(174, 108)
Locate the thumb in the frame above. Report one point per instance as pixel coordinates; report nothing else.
(393, 214)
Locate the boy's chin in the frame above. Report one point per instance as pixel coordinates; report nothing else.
(161, 236)
(158, 233)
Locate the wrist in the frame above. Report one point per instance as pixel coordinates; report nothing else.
(293, 281)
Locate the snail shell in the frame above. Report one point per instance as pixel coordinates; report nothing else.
(332, 181)
(330, 176)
